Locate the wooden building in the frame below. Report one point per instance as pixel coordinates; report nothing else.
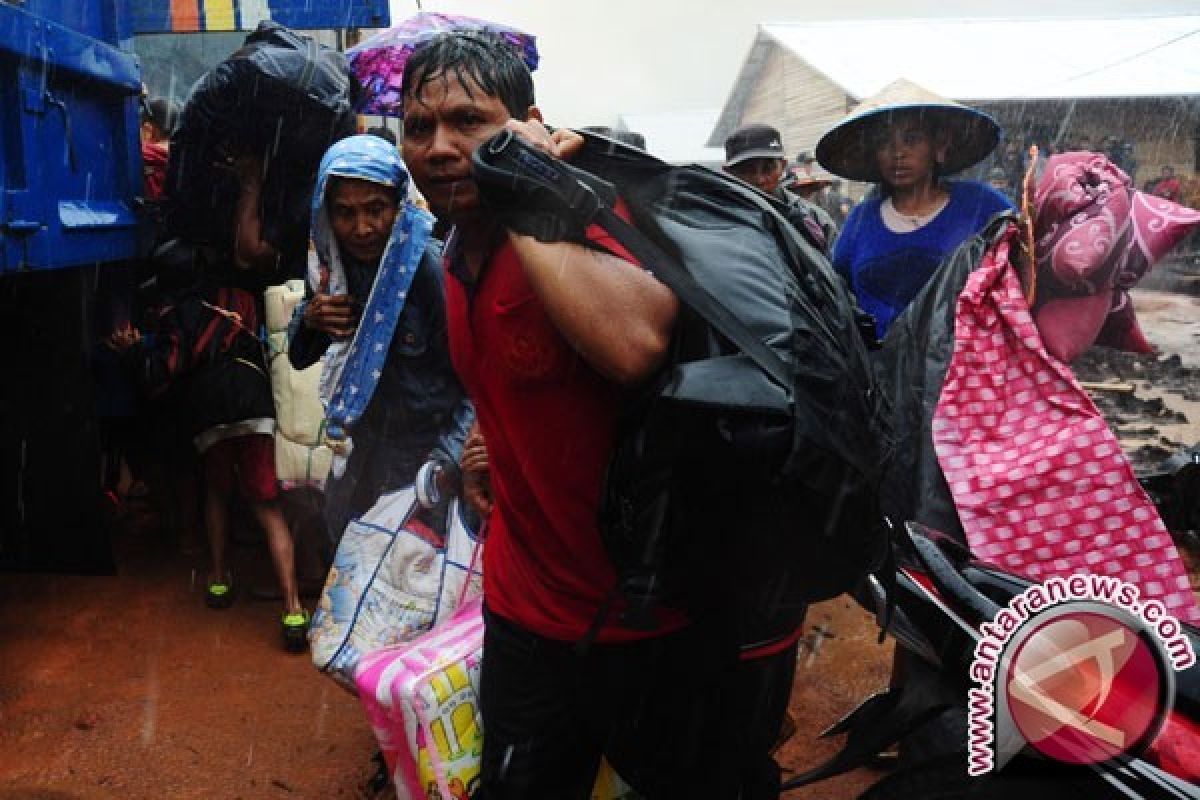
(1049, 81)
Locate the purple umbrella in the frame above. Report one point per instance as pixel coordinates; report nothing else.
(378, 62)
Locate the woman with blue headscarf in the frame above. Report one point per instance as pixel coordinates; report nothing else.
(394, 407)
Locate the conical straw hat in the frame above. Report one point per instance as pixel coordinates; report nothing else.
(847, 149)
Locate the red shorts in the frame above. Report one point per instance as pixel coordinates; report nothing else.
(249, 460)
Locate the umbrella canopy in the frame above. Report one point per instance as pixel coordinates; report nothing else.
(378, 62)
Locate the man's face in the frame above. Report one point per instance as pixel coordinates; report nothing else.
(443, 124)
(362, 215)
(762, 173)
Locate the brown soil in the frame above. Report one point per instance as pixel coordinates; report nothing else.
(128, 687)
(841, 664)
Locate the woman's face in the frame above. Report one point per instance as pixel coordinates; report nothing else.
(906, 153)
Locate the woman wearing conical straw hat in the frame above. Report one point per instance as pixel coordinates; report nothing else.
(907, 140)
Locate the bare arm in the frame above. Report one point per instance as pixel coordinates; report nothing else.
(476, 475)
(249, 247)
(616, 315)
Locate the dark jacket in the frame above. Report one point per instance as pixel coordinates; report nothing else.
(419, 410)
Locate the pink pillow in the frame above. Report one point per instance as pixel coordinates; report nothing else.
(1095, 239)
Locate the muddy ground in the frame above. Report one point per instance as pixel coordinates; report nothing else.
(127, 687)
(1152, 402)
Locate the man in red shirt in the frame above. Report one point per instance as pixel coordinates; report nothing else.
(546, 337)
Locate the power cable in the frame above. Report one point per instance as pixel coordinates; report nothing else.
(1147, 51)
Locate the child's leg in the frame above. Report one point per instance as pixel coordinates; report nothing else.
(256, 472)
(218, 486)
(216, 523)
(279, 541)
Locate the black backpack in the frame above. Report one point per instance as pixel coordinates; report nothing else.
(746, 471)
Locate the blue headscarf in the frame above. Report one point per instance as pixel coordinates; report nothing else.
(352, 369)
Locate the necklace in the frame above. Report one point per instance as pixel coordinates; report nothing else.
(904, 222)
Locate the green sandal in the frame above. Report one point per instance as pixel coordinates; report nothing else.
(219, 593)
(295, 630)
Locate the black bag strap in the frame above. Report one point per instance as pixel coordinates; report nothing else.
(513, 175)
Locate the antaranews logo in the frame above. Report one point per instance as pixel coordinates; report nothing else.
(1079, 668)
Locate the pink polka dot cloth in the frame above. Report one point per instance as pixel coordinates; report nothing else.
(1040, 482)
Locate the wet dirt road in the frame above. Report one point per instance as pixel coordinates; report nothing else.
(128, 687)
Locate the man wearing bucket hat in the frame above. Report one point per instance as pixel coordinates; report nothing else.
(906, 140)
(754, 154)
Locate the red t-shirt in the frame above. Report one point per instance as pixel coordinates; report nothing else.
(550, 422)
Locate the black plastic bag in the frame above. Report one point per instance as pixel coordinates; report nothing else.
(283, 98)
(910, 369)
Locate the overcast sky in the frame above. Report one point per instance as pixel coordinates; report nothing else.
(601, 58)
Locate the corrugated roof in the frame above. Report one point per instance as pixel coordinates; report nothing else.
(986, 59)
(677, 137)
(990, 59)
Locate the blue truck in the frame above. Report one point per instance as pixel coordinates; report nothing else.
(70, 191)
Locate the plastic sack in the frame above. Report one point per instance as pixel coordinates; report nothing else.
(422, 700)
(301, 460)
(910, 369)
(425, 692)
(393, 577)
(283, 98)
(300, 466)
(280, 303)
(299, 413)
(298, 410)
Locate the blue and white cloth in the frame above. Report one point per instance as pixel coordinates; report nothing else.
(352, 369)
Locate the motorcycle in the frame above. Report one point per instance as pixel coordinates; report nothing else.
(940, 598)
(1174, 486)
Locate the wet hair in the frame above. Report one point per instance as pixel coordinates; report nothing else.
(162, 112)
(493, 64)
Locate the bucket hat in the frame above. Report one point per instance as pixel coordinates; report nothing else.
(847, 148)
